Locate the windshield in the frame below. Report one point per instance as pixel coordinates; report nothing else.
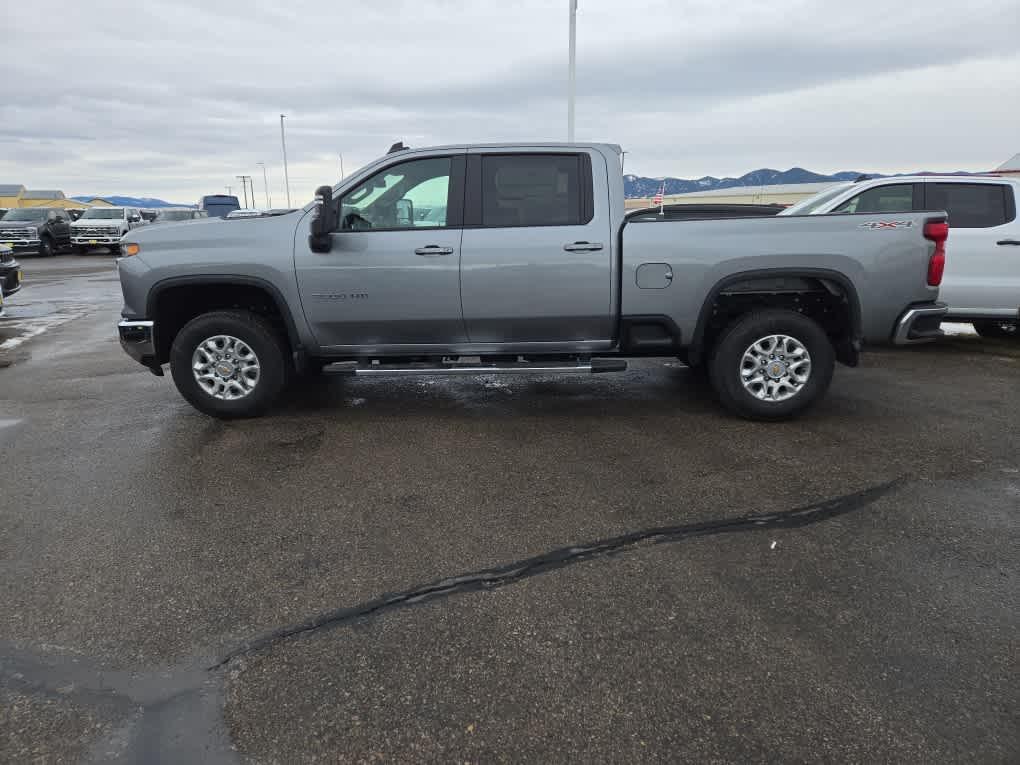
(103, 213)
(38, 214)
(810, 205)
(174, 215)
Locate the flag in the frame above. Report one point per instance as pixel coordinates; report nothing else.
(657, 201)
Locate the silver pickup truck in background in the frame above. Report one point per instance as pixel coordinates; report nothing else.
(518, 258)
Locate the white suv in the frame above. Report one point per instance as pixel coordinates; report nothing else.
(103, 227)
(982, 277)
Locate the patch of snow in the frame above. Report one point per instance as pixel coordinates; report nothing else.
(958, 329)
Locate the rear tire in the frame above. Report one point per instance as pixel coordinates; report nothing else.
(255, 384)
(1003, 328)
(771, 365)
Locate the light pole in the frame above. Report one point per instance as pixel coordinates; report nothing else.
(286, 174)
(571, 70)
(265, 181)
(245, 179)
(341, 166)
(229, 189)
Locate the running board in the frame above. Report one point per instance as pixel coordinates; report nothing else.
(595, 366)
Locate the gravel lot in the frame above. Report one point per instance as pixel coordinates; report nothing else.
(491, 569)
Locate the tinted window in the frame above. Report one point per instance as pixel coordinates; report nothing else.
(409, 195)
(970, 205)
(531, 190)
(881, 199)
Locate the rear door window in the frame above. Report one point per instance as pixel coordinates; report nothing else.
(532, 190)
(894, 198)
(972, 205)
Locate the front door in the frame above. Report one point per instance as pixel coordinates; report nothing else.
(982, 276)
(536, 263)
(391, 281)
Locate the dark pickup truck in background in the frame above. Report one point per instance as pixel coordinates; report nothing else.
(42, 230)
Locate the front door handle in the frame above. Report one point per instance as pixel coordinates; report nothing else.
(433, 249)
(583, 247)
(1009, 241)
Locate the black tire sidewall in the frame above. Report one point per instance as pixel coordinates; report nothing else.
(46, 247)
(264, 340)
(724, 365)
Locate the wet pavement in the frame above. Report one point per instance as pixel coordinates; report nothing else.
(601, 568)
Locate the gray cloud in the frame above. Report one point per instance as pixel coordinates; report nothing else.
(175, 99)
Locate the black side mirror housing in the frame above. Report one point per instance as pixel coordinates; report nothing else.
(323, 221)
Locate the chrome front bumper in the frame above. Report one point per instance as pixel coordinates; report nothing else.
(137, 338)
(95, 240)
(920, 324)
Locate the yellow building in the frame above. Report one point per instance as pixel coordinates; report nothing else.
(10, 195)
(96, 202)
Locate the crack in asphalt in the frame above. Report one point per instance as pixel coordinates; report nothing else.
(501, 576)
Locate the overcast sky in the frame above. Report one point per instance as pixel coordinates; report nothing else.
(175, 99)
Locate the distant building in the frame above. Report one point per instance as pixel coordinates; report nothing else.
(780, 194)
(10, 195)
(96, 202)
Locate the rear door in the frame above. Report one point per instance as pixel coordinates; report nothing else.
(982, 276)
(536, 260)
(391, 281)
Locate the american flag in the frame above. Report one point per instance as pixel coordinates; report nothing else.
(657, 201)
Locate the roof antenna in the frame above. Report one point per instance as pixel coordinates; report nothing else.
(398, 146)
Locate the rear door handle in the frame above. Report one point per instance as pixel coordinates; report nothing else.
(433, 249)
(1009, 241)
(583, 247)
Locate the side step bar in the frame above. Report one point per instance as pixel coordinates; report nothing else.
(595, 366)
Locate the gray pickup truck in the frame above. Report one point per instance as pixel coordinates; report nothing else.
(518, 258)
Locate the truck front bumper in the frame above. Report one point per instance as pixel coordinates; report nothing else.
(24, 245)
(920, 324)
(94, 240)
(138, 339)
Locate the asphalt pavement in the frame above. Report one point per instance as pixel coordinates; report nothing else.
(598, 569)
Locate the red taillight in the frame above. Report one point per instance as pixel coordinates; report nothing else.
(938, 233)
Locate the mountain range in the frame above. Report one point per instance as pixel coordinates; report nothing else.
(146, 202)
(640, 186)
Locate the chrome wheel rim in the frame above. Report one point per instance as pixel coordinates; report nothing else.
(226, 367)
(775, 368)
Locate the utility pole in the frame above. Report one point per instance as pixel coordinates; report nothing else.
(229, 189)
(245, 179)
(341, 166)
(286, 174)
(571, 70)
(265, 181)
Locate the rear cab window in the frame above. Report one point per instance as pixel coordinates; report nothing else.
(534, 189)
(972, 205)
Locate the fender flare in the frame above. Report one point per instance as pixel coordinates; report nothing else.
(157, 289)
(847, 286)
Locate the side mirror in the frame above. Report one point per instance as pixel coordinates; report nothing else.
(405, 212)
(323, 221)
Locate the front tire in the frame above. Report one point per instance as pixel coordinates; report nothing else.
(230, 364)
(1001, 328)
(771, 365)
(46, 247)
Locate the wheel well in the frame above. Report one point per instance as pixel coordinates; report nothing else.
(176, 305)
(829, 301)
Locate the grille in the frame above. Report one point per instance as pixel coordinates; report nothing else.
(18, 233)
(96, 231)
(6, 255)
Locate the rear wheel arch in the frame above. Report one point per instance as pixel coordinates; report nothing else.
(770, 284)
